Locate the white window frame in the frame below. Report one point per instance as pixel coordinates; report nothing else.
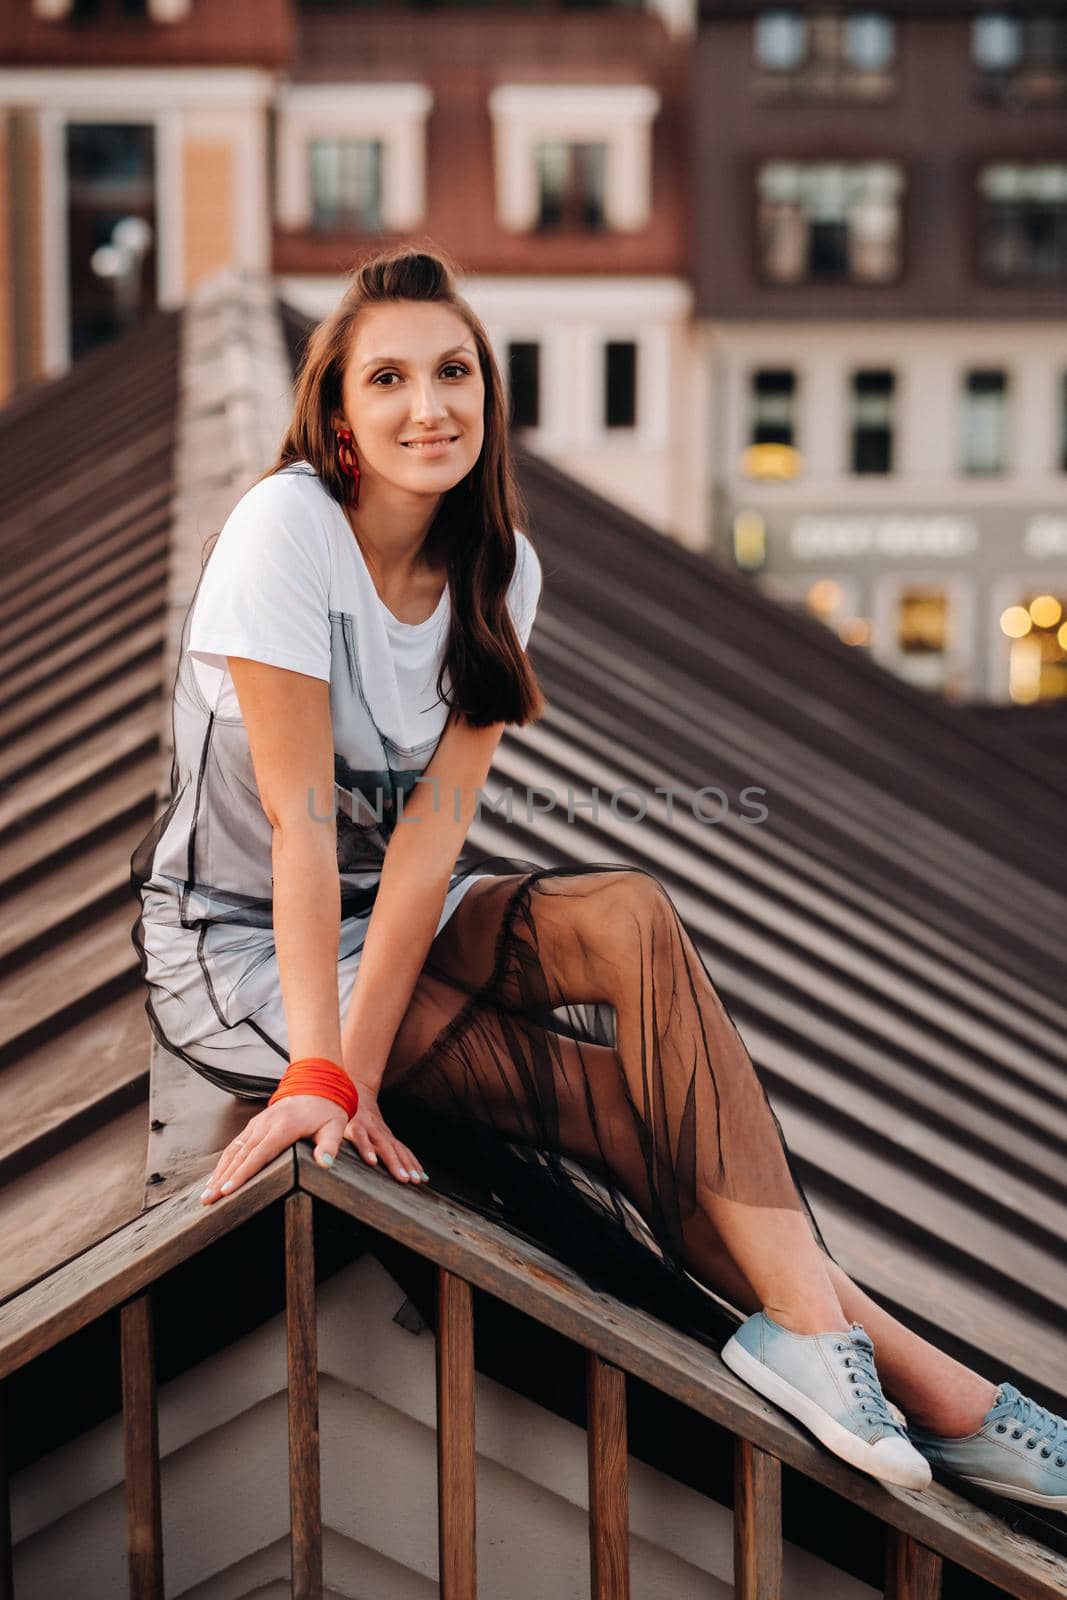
(393, 113)
(620, 115)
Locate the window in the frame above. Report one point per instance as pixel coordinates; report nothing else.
(351, 155)
(997, 41)
(984, 421)
(829, 222)
(89, 11)
(346, 183)
(111, 10)
(570, 184)
(872, 421)
(1037, 655)
(524, 384)
(922, 621)
(824, 53)
(110, 170)
(574, 156)
(1020, 56)
(620, 384)
(781, 40)
(1023, 223)
(773, 399)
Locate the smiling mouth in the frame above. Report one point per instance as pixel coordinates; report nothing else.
(429, 444)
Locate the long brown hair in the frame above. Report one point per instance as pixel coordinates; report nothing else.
(474, 527)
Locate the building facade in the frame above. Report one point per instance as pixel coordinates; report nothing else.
(884, 334)
(542, 145)
(147, 118)
(788, 283)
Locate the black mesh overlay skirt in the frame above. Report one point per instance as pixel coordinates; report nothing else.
(566, 1048)
(565, 1064)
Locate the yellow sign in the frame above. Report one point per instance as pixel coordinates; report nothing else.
(772, 461)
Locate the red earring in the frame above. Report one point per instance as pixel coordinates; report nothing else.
(346, 457)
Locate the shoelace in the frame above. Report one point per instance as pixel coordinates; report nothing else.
(860, 1361)
(1028, 1416)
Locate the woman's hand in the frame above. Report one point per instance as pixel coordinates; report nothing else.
(272, 1130)
(302, 1116)
(372, 1138)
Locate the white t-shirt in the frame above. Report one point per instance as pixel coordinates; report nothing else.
(285, 583)
(285, 560)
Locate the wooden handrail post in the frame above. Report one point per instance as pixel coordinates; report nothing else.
(305, 1505)
(7, 1571)
(456, 1458)
(140, 1428)
(609, 1482)
(912, 1570)
(758, 1562)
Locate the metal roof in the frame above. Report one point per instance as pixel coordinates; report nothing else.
(85, 525)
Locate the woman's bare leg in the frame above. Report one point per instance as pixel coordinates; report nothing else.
(617, 937)
(935, 1391)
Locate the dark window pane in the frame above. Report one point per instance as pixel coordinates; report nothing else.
(524, 384)
(570, 180)
(620, 384)
(827, 249)
(112, 10)
(1023, 230)
(872, 421)
(773, 396)
(110, 179)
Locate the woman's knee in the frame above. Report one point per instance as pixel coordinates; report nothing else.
(614, 912)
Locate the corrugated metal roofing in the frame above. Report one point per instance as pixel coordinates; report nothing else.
(84, 534)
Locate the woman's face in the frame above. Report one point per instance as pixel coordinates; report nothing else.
(413, 375)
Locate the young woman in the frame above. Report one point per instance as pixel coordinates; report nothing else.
(352, 654)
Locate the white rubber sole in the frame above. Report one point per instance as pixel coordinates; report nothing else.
(905, 1468)
(1008, 1491)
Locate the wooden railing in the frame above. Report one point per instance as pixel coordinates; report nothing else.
(922, 1530)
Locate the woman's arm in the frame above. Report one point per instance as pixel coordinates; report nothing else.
(290, 736)
(419, 861)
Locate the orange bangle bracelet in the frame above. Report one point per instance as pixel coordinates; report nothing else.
(318, 1075)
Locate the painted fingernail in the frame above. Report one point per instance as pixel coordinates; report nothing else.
(412, 1173)
(227, 1186)
(372, 1158)
(425, 1175)
(207, 1193)
(326, 1158)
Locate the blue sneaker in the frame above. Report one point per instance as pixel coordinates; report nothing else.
(1018, 1450)
(828, 1382)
